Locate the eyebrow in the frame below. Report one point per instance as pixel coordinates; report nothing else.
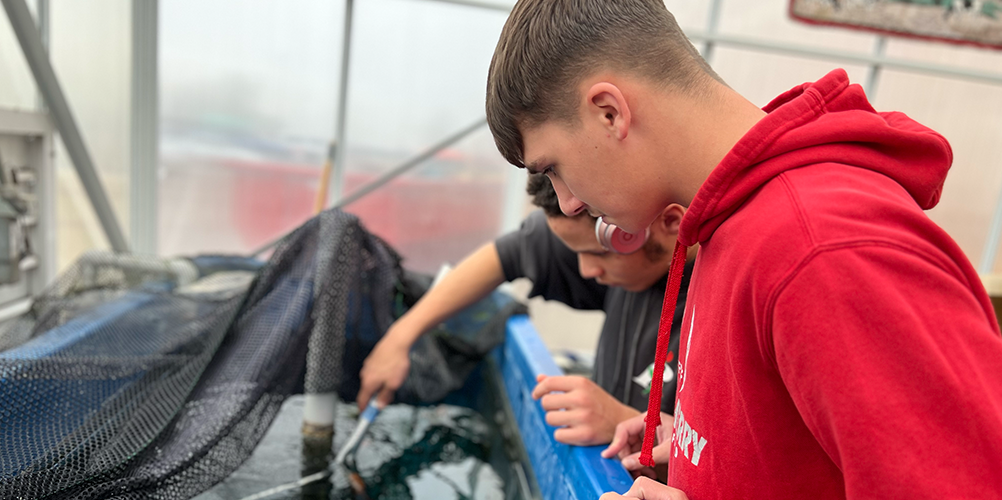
(533, 167)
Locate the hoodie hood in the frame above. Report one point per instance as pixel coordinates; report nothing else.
(828, 121)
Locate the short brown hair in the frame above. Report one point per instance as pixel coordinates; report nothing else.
(547, 46)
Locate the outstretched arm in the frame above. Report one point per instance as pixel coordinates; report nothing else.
(385, 370)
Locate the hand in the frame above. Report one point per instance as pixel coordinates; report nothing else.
(585, 413)
(384, 370)
(629, 437)
(648, 489)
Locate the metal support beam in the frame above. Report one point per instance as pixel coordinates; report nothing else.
(143, 150)
(712, 22)
(43, 21)
(477, 4)
(873, 76)
(991, 250)
(940, 70)
(413, 162)
(45, 77)
(342, 107)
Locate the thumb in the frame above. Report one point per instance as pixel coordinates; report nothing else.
(662, 452)
(632, 462)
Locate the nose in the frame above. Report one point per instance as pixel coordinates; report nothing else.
(589, 267)
(569, 205)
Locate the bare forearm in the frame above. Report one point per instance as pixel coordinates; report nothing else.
(471, 280)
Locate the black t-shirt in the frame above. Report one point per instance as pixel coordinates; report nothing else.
(624, 357)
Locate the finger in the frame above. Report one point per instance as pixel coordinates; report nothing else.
(638, 488)
(545, 385)
(647, 488)
(662, 452)
(385, 397)
(632, 462)
(626, 433)
(619, 441)
(643, 472)
(562, 383)
(611, 496)
(646, 472)
(576, 436)
(365, 393)
(635, 426)
(637, 439)
(553, 402)
(540, 389)
(561, 418)
(667, 427)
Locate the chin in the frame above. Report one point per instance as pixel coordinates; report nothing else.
(640, 287)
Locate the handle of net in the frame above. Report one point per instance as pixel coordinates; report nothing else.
(364, 421)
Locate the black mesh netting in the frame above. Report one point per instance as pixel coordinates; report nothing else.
(148, 378)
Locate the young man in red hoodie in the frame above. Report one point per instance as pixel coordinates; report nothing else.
(836, 343)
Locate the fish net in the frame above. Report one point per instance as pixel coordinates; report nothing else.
(135, 377)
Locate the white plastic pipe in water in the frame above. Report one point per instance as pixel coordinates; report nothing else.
(318, 411)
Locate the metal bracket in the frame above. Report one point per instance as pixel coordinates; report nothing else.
(45, 77)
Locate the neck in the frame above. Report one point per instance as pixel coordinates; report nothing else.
(696, 133)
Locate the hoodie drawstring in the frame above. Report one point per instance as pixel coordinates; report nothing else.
(653, 419)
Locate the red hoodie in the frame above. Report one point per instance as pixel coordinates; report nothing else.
(837, 343)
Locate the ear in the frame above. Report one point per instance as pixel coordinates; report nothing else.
(605, 103)
(670, 219)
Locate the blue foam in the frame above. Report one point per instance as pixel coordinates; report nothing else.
(562, 471)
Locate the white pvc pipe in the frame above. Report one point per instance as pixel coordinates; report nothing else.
(319, 409)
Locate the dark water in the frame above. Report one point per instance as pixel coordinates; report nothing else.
(439, 452)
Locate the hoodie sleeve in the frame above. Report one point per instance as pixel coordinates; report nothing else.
(896, 370)
(534, 252)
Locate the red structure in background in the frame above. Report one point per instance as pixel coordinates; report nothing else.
(428, 220)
